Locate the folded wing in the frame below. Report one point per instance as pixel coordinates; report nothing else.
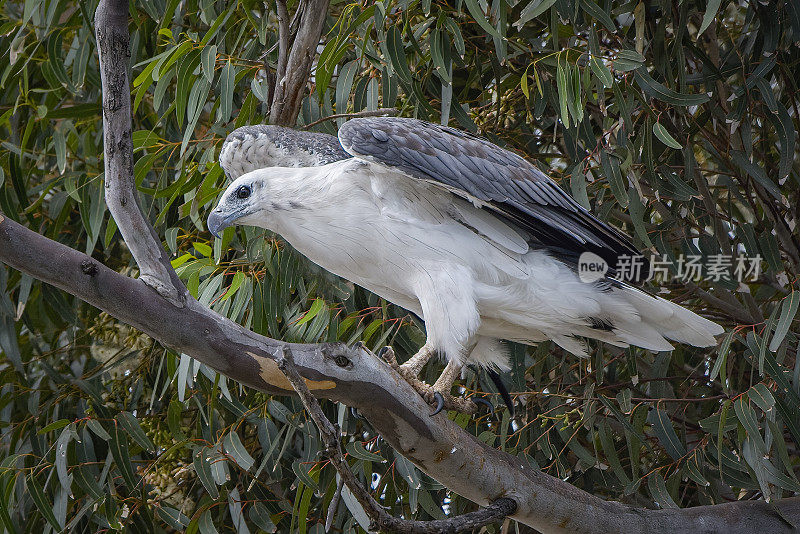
(491, 177)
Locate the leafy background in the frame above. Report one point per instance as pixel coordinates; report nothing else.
(676, 121)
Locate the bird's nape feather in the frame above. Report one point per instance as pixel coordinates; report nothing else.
(249, 148)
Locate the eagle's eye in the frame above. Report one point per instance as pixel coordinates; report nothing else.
(243, 192)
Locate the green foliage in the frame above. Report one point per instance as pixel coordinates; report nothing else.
(675, 121)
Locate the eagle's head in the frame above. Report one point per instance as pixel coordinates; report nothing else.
(242, 202)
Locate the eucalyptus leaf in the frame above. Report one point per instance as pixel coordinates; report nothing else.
(665, 137)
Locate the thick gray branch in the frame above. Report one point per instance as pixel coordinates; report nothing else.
(291, 82)
(354, 376)
(113, 48)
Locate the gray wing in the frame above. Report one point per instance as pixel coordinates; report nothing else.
(513, 188)
(255, 147)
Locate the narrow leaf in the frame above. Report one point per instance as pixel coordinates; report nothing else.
(599, 14)
(693, 469)
(227, 82)
(711, 11)
(357, 450)
(788, 312)
(61, 150)
(134, 430)
(722, 354)
(234, 447)
(665, 94)
(209, 60)
(601, 71)
(61, 459)
(173, 517)
(533, 10)
(563, 93)
(238, 278)
(119, 450)
(761, 397)
(42, 503)
(756, 172)
(664, 136)
(658, 489)
(300, 470)
(479, 16)
(55, 425)
(203, 469)
(662, 426)
(316, 306)
(206, 524)
(397, 54)
(95, 426)
(610, 164)
(747, 416)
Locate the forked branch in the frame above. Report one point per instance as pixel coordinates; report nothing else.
(495, 512)
(113, 48)
(295, 59)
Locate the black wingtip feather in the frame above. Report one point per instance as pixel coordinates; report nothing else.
(501, 387)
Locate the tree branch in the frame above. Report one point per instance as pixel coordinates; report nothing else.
(334, 504)
(113, 48)
(288, 95)
(283, 40)
(381, 519)
(380, 112)
(354, 376)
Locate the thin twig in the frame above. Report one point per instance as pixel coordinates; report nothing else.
(381, 519)
(380, 112)
(334, 505)
(676, 399)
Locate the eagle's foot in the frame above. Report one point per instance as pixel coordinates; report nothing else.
(459, 404)
(444, 401)
(408, 374)
(415, 363)
(438, 395)
(387, 354)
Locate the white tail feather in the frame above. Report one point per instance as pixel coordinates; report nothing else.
(659, 319)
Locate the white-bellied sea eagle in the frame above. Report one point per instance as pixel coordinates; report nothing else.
(472, 238)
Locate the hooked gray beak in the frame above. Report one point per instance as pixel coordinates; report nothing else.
(217, 222)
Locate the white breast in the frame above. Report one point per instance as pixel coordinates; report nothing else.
(384, 230)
